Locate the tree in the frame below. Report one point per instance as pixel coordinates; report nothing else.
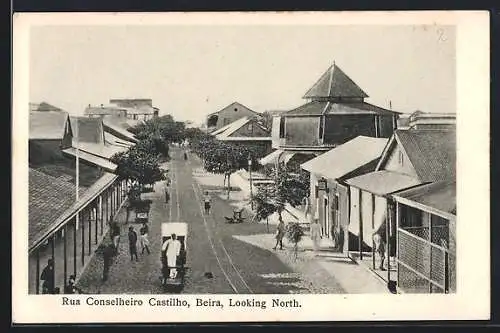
(288, 187)
(138, 165)
(294, 233)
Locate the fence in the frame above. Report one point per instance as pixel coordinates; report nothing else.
(424, 267)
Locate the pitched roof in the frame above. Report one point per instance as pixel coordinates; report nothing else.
(118, 127)
(232, 105)
(49, 125)
(43, 106)
(100, 110)
(335, 83)
(113, 140)
(383, 182)
(92, 159)
(49, 197)
(105, 151)
(89, 129)
(439, 195)
(225, 132)
(431, 152)
(347, 157)
(317, 108)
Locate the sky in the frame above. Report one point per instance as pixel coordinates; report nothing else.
(191, 71)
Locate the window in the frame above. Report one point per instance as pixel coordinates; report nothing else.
(400, 158)
(321, 128)
(250, 127)
(226, 121)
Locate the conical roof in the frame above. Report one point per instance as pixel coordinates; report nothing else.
(335, 83)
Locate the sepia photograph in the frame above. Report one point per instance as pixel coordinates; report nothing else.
(169, 161)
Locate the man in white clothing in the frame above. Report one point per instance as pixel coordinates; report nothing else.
(172, 248)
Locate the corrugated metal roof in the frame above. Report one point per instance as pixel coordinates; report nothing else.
(431, 152)
(49, 197)
(383, 182)
(317, 108)
(111, 139)
(232, 105)
(335, 83)
(41, 233)
(92, 159)
(89, 129)
(118, 126)
(347, 157)
(225, 132)
(99, 149)
(439, 195)
(48, 125)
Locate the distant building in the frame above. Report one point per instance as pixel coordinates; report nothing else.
(335, 113)
(138, 108)
(44, 106)
(246, 131)
(423, 120)
(229, 114)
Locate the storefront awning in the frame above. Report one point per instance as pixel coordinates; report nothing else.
(383, 182)
(284, 156)
(95, 160)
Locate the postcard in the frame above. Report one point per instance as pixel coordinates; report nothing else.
(244, 167)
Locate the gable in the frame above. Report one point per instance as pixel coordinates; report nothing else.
(251, 129)
(396, 160)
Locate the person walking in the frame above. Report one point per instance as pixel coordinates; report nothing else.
(108, 253)
(71, 288)
(207, 201)
(115, 232)
(280, 233)
(315, 234)
(144, 239)
(132, 242)
(380, 246)
(167, 196)
(48, 278)
(306, 202)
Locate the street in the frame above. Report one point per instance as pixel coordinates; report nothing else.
(236, 267)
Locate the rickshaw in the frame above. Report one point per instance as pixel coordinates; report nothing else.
(174, 281)
(142, 211)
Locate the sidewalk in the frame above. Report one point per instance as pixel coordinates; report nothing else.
(353, 278)
(340, 270)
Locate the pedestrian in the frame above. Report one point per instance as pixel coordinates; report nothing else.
(185, 156)
(144, 238)
(280, 233)
(207, 200)
(306, 202)
(132, 242)
(167, 196)
(71, 288)
(48, 278)
(380, 248)
(172, 248)
(108, 253)
(115, 232)
(315, 234)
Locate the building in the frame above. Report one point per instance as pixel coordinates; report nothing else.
(137, 108)
(426, 238)
(228, 115)
(61, 227)
(329, 194)
(412, 158)
(101, 111)
(246, 131)
(118, 127)
(335, 113)
(422, 120)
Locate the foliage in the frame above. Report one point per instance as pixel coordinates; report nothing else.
(138, 165)
(288, 187)
(294, 234)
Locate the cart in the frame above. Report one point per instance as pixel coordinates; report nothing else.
(142, 211)
(174, 282)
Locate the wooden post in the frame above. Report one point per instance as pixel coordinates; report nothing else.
(83, 242)
(360, 238)
(53, 250)
(101, 213)
(388, 239)
(37, 271)
(90, 230)
(397, 224)
(373, 229)
(65, 255)
(74, 249)
(96, 222)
